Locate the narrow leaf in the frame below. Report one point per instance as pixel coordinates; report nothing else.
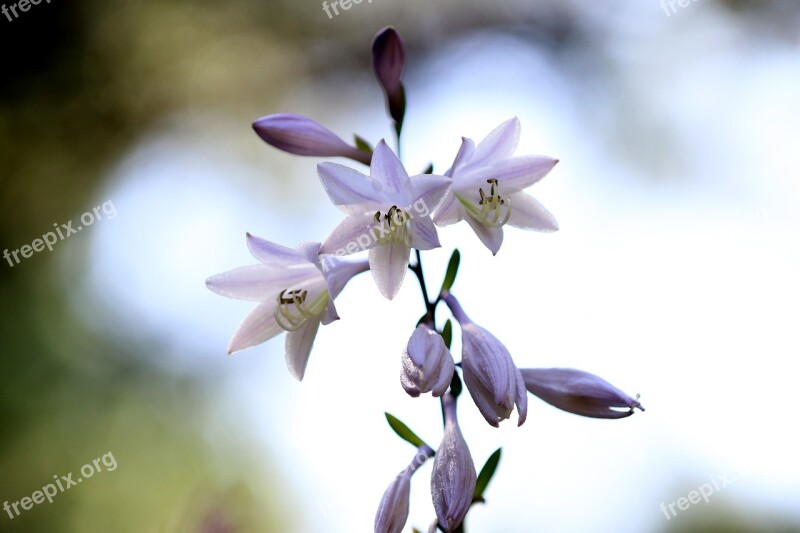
(452, 270)
(447, 333)
(487, 472)
(403, 431)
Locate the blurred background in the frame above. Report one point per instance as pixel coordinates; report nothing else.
(674, 274)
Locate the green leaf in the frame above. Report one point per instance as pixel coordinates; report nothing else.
(486, 474)
(403, 431)
(429, 170)
(447, 333)
(455, 385)
(452, 270)
(362, 145)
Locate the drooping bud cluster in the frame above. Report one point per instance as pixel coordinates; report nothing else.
(427, 363)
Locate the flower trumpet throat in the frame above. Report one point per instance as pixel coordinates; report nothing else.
(292, 310)
(493, 210)
(393, 227)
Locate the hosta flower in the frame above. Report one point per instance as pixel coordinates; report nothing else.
(454, 477)
(293, 295)
(487, 187)
(427, 363)
(492, 378)
(579, 392)
(300, 135)
(393, 509)
(388, 213)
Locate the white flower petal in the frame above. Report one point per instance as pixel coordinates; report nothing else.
(387, 170)
(271, 253)
(499, 144)
(449, 211)
(512, 174)
(257, 327)
(254, 283)
(339, 271)
(298, 347)
(423, 234)
(465, 152)
(388, 264)
(491, 237)
(528, 213)
(353, 234)
(429, 189)
(346, 186)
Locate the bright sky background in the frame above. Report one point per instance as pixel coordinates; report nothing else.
(677, 281)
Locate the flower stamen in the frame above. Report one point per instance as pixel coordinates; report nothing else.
(492, 210)
(292, 311)
(394, 227)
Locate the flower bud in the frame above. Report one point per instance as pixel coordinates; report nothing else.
(579, 392)
(300, 135)
(388, 63)
(492, 378)
(427, 363)
(454, 477)
(393, 510)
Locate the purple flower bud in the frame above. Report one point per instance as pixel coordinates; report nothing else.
(492, 378)
(427, 363)
(454, 477)
(388, 63)
(579, 392)
(300, 135)
(393, 509)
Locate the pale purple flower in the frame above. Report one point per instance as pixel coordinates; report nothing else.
(427, 363)
(454, 477)
(388, 63)
(488, 183)
(388, 213)
(579, 392)
(492, 378)
(292, 293)
(300, 135)
(393, 510)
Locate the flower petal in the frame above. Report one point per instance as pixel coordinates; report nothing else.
(499, 144)
(465, 152)
(271, 253)
(298, 347)
(353, 234)
(491, 237)
(338, 272)
(388, 263)
(449, 211)
(528, 213)
(387, 170)
(258, 326)
(512, 174)
(346, 186)
(429, 189)
(423, 234)
(254, 283)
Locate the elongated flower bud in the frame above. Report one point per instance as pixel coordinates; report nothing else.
(388, 63)
(492, 378)
(300, 135)
(427, 363)
(454, 477)
(393, 510)
(579, 392)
